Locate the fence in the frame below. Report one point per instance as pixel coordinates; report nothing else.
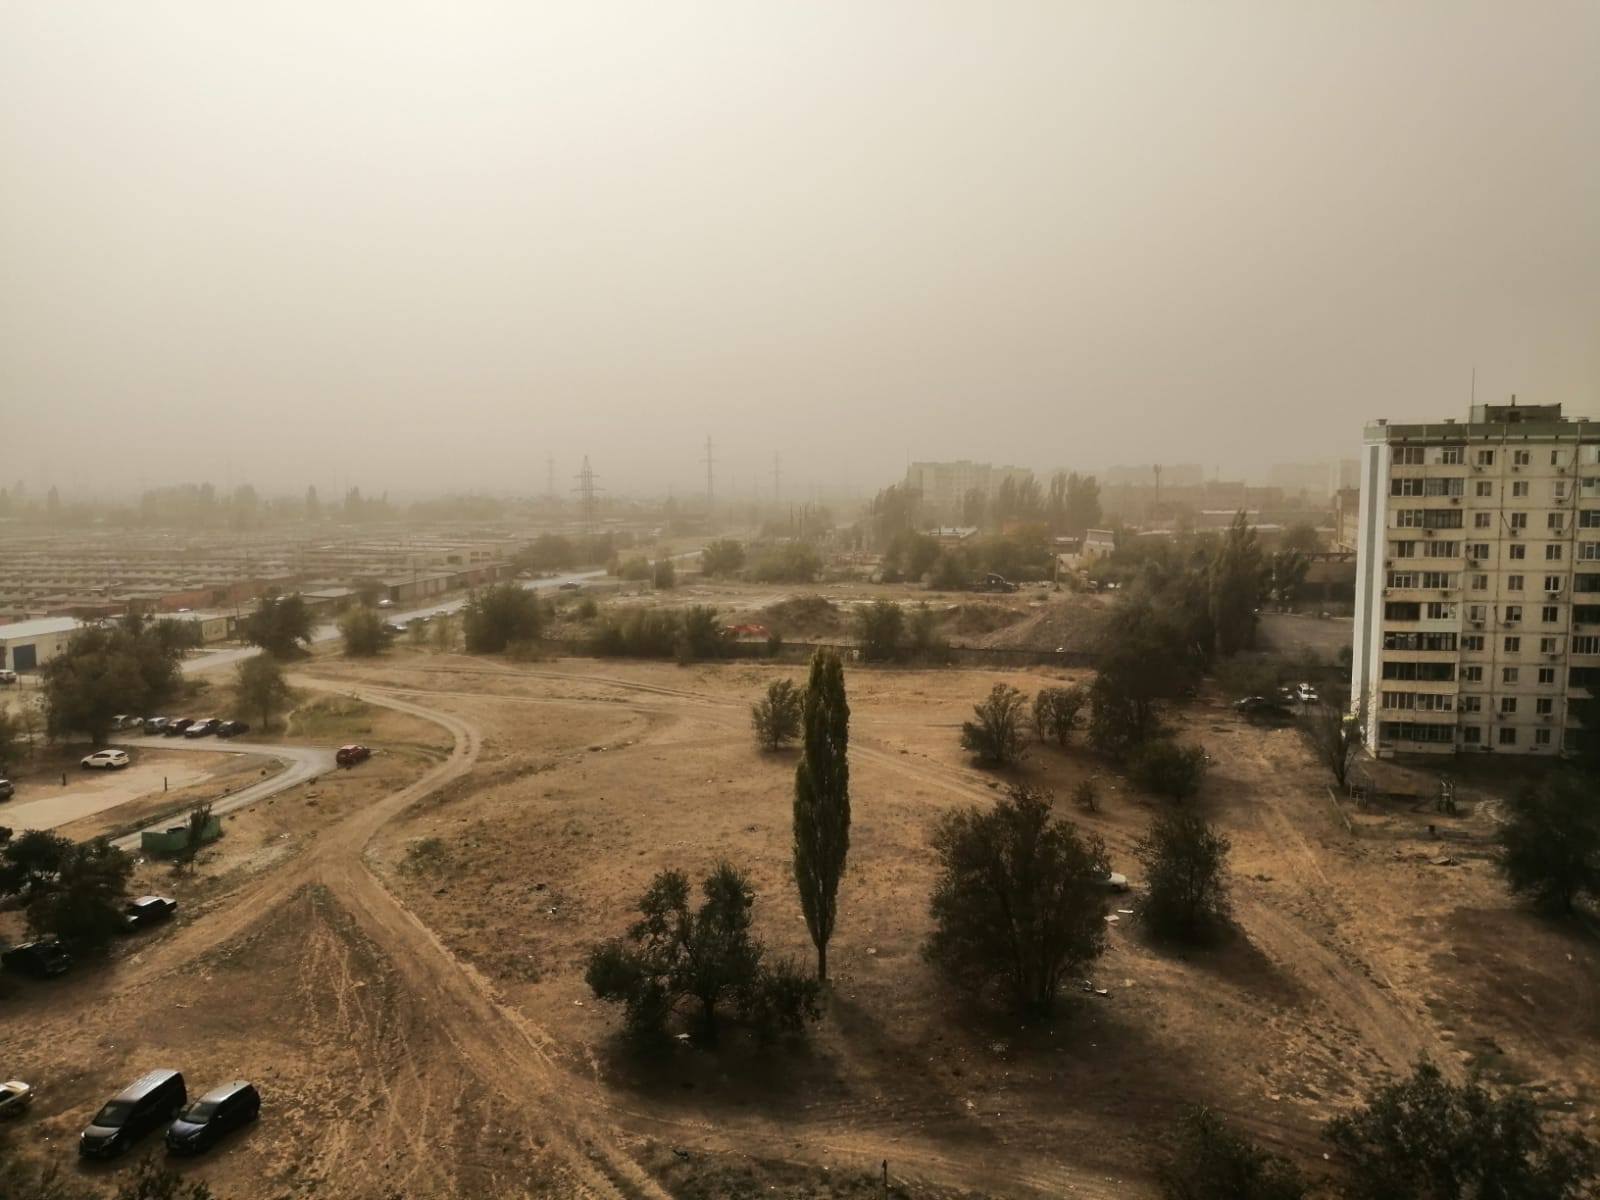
(801, 651)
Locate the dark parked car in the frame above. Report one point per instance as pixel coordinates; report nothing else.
(230, 729)
(42, 959)
(154, 725)
(148, 1101)
(147, 911)
(203, 727)
(220, 1111)
(7, 789)
(1262, 706)
(176, 726)
(349, 756)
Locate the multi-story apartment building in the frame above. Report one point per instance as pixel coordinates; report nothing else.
(944, 485)
(1478, 581)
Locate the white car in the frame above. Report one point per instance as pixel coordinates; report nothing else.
(14, 1097)
(1306, 694)
(106, 760)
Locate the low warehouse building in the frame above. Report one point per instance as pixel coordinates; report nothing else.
(28, 645)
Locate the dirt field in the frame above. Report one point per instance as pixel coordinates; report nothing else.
(396, 956)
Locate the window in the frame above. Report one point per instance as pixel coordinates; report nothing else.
(1402, 579)
(1476, 612)
(1472, 704)
(1478, 550)
(1428, 702)
(1405, 549)
(1584, 677)
(1470, 735)
(1482, 520)
(1486, 458)
(1472, 674)
(1517, 551)
(1450, 456)
(1419, 641)
(1584, 614)
(1541, 737)
(1410, 456)
(1442, 487)
(1555, 521)
(1483, 488)
(1513, 645)
(1441, 518)
(1508, 735)
(1408, 518)
(1406, 731)
(1480, 582)
(1552, 583)
(1508, 704)
(1513, 583)
(1589, 518)
(1399, 699)
(1586, 644)
(1519, 488)
(1472, 641)
(1438, 579)
(1405, 486)
(1547, 676)
(1431, 672)
(1547, 645)
(1555, 458)
(1559, 491)
(1513, 612)
(1552, 552)
(1509, 674)
(1402, 610)
(1544, 706)
(1435, 610)
(1589, 551)
(1550, 614)
(1519, 458)
(1519, 520)
(1586, 583)
(1442, 549)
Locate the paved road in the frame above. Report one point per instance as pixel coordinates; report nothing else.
(303, 763)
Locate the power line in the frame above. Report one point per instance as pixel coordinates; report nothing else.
(586, 496)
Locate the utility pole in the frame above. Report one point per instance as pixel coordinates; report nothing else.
(1157, 512)
(710, 476)
(777, 478)
(550, 477)
(586, 496)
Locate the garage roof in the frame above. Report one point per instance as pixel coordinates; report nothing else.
(42, 627)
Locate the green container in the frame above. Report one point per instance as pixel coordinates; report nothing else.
(173, 838)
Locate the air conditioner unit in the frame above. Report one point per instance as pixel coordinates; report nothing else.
(1472, 562)
(1477, 624)
(1477, 466)
(1502, 716)
(1549, 718)
(1455, 499)
(1552, 595)
(1514, 467)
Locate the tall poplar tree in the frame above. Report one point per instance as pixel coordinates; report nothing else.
(822, 801)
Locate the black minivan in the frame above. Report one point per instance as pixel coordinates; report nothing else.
(221, 1110)
(152, 1099)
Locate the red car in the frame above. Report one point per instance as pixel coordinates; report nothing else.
(349, 756)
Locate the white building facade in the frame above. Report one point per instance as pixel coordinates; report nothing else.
(1477, 582)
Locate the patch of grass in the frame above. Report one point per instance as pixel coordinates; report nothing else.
(427, 856)
(332, 718)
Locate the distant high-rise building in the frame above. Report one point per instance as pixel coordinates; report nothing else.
(944, 485)
(1477, 581)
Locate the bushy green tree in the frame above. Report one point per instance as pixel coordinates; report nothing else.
(1164, 767)
(279, 625)
(822, 801)
(1148, 657)
(1236, 585)
(702, 632)
(996, 735)
(707, 957)
(30, 863)
(104, 671)
(1017, 903)
(663, 574)
(261, 689)
(637, 633)
(1055, 712)
(82, 903)
(1550, 842)
(1185, 864)
(951, 571)
(776, 717)
(1425, 1138)
(725, 556)
(924, 641)
(881, 628)
(787, 562)
(500, 616)
(364, 632)
(1210, 1161)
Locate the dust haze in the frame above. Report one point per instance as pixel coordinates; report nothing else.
(426, 247)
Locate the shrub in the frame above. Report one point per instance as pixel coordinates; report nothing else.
(1055, 712)
(82, 903)
(924, 642)
(1168, 769)
(364, 632)
(634, 570)
(1085, 796)
(776, 718)
(996, 736)
(721, 557)
(881, 627)
(637, 633)
(1212, 1162)
(1184, 861)
(663, 574)
(790, 562)
(495, 617)
(1550, 843)
(1017, 902)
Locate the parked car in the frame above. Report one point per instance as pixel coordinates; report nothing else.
(395, 627)
(994, 583)
(7, 789)
(385, 603)
(148, 1101)
(8, 676)
(1113, 881)
(106, 760)
(1261, 706)
(155, 725)
(176, 726)
(1306, 694)
(15, 1096)
(230, 729)
(123, 721)
(349, 756)
(220, 1111)
(147, 911)
(570, 586)
(42, 959)
(204, 727)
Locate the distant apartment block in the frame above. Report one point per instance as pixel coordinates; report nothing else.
(1478, 581)
(944, 485)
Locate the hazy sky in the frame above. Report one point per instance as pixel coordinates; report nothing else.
(424, 246)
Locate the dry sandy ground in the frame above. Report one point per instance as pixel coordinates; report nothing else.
(398, 960)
